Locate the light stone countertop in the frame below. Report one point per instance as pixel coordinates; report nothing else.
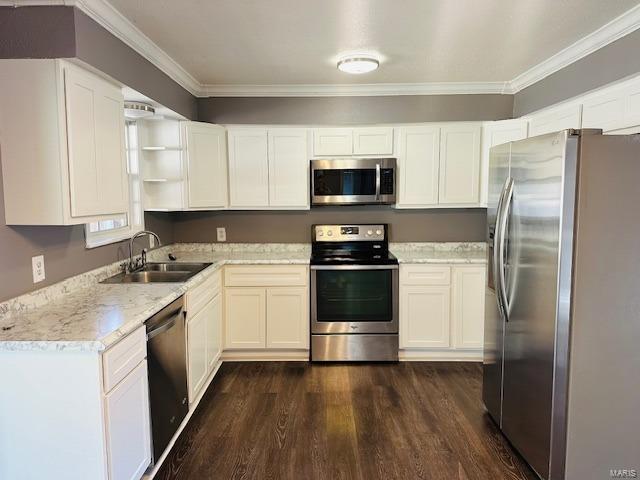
(80, 314)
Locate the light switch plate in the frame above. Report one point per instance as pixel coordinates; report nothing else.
(37, 264)
(221, 233)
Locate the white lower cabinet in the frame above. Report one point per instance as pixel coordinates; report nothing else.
(197, 348)
(467, 306)
(128, 426)
(287, 317)
(425, 316)
(204, 323)
(266, 307)
(442, 310)
(245, 314)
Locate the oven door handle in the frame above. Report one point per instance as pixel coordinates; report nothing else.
(354, 267)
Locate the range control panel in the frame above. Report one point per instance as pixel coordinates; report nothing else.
(349, 233)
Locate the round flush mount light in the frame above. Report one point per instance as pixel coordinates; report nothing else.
(137, 110)
(357, 64)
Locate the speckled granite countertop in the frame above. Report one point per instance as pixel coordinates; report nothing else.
(439, 252)
(81, 314)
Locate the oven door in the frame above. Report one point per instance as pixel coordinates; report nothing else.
(353, 181)
(354, 299)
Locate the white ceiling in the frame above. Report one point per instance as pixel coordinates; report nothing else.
(297, 42)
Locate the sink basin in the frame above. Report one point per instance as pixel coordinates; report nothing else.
(159, 273)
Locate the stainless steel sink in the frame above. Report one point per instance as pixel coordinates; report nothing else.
(159, 273)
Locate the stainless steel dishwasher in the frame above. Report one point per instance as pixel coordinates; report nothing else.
(167, 363)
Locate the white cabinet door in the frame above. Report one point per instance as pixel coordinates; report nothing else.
(95, 139)
(248, 168)
(468, 306)
(460, 164)
(206, 158)
(288, 168)
(81, 137)
(288, 317)
(111, 160)
(418, 166)
(553, 120)
(497, 133)
(424, 316)
(332, 141)
(128, 426)
(197, 350)
(373, 141)
(245, 311)
(214, 331)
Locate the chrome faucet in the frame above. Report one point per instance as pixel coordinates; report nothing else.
(143, 258)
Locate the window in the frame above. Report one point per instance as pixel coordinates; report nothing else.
(120, 227)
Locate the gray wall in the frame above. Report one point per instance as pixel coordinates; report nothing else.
(616, 61)
(66, 32)
(295, 226)
(63, 248)
(354, 110)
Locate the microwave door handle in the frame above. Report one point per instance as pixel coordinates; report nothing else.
(377, 181)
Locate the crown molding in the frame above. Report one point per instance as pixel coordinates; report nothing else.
(108, 17)
(608, 33)
(354, 90)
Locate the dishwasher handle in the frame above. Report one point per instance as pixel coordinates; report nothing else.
(163, 327)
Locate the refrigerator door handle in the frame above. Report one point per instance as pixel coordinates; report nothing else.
(500, 253)
(495, 264)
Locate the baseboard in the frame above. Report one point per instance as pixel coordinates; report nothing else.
(263, 355)
(192, 408)
(417, 355)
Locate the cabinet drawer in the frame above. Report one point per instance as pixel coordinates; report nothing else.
(198, 296)
(425, 275)
(265, 275)
(123, 357)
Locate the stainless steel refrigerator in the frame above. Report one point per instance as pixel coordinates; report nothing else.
(562, 323)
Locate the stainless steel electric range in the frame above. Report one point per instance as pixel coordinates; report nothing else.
(354, 294)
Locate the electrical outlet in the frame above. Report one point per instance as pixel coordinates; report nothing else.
(152, 241)
(37, 264)
(221, 232)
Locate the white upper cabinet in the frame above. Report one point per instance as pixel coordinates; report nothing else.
(418, 166)
(361, 141)
(268, 168)
(332, 142)
(248, 168)
(460, 164)
(288, 168)
(555, 119)
(497, 133)
(373, 141)
(613, 108)
(206, 159)
(63, 153)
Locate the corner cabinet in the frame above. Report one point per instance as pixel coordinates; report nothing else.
(62, 146)
(442, 311)
(268, 168)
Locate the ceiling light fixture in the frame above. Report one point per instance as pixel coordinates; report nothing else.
(137, 110)
(358, 63)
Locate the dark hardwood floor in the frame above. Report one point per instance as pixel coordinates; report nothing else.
(295, 420)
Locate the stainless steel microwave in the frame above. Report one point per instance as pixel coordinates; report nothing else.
(353, 181)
